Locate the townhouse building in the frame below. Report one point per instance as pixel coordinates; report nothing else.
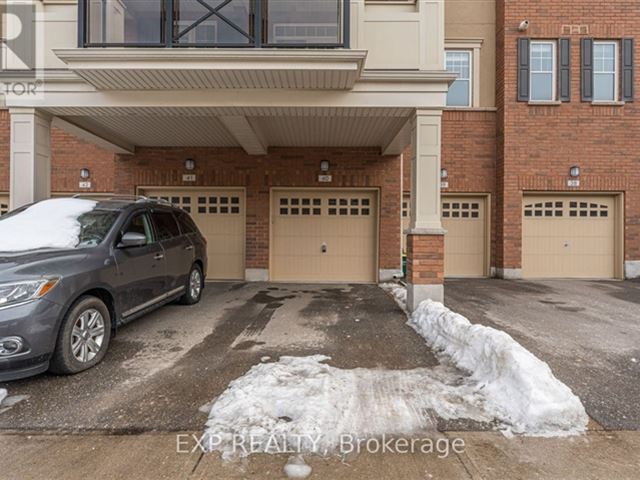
(317, 141)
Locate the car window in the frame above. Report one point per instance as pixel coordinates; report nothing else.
(94, 226)
(186, 223)
(166, 225)
(140, 224)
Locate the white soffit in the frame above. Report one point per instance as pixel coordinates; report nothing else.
(268, 127)
(178, 68)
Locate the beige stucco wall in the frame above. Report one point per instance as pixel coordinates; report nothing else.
(476, 19)
(399, 35)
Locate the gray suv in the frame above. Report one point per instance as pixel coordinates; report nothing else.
(71, 272)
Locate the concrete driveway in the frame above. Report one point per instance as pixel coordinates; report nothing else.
(163, 368)
(587, 331)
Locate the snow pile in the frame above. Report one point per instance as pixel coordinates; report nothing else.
(398, 292)
(47, 224)
(519, 389)
(310, 406)
(297, 468)
(3, 395)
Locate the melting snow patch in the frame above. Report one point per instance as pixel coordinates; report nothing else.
(47, 224)
(3, 395)
(519, 389)
(310, 407)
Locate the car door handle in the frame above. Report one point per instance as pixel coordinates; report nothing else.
(190, 247)
(159, 256)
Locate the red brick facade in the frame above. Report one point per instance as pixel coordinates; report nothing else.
(68, 155)
(538, 144)
(4, 151)
(282, 167)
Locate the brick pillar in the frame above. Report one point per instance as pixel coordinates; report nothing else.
(425, 268)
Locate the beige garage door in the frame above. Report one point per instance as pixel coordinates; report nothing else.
(568, 237)
(324, 236)
(465, 244)
(4, 204)
(220, 216)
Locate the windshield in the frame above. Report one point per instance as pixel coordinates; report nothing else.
(56, 224)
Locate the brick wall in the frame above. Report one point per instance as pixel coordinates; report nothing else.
(290, 167)
(68, 155)
(538, 144)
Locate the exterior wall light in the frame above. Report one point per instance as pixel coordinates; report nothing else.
(574, 172)
(324, 166)
(444, 174)
(85, 173)
(189, 164)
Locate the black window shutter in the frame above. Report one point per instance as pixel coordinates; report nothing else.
(627, 69)
(587, 69)
(564, 69)
(524, 68)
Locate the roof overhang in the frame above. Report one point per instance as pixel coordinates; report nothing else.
(177, 68)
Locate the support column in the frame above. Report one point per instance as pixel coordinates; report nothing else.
(30, 164)
(425, 240)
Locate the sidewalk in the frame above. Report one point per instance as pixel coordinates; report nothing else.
(488, 455)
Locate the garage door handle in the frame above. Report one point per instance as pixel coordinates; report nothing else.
(324, 248)
(159, 256)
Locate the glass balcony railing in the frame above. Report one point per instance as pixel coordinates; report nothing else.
(214, 23)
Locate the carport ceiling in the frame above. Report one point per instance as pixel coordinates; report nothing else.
(275, 127)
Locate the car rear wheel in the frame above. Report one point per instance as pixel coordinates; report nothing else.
(195, 283)
(84, 337)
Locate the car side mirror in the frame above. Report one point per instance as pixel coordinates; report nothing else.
(132, 239)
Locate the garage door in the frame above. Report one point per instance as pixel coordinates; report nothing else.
(324, 236)
(568, 237)
(220, 216)
(465, 243)
(4, 204)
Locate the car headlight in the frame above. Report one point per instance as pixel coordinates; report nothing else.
(18, 292)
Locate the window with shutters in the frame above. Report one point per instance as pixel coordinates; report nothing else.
(605, 71)
(543, 71)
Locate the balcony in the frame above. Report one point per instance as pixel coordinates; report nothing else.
(214, 23)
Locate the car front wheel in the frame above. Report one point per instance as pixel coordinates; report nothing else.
(83, 338)
(195, 282)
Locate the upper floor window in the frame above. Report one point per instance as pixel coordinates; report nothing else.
(605, 71)
(214, 23)
(543, 71)
(459, 61)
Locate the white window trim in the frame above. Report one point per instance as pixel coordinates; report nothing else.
(473, 45)
(554, 71)
(616, 73)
